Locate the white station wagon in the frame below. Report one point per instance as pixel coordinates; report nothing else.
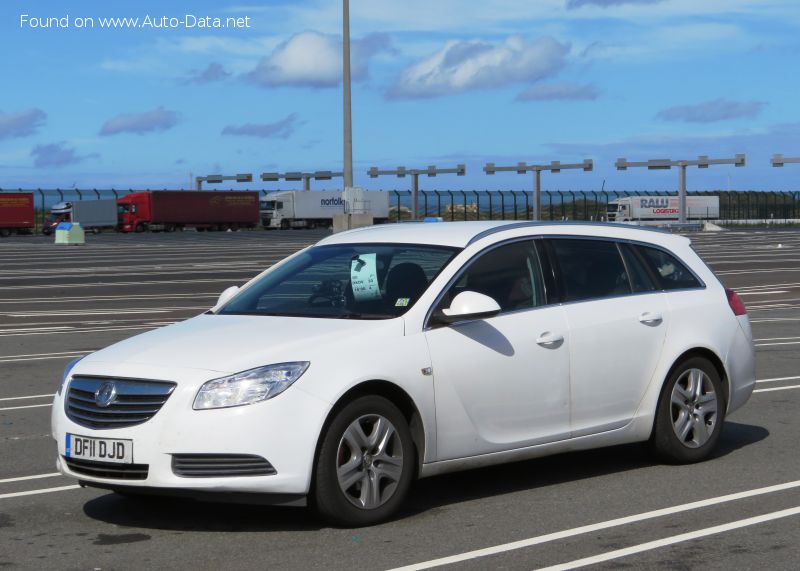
(386, 354)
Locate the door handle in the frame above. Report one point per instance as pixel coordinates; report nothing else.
(548, 339)
(649, 318)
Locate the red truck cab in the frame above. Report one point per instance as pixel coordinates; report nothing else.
(133, 212)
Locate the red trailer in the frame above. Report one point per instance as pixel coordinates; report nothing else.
(170, 210)
(16, 213)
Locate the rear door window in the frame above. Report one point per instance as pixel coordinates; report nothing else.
(641, 280)
(667, 270)
(589, 269)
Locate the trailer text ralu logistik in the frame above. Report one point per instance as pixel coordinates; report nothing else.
(311, 209)
(662, 208)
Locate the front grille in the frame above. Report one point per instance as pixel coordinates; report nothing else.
(107, 469)
(135, 401)
(220, 465)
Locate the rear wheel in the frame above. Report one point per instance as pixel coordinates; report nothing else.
(365, 465)
(5, 232)
(691, 413)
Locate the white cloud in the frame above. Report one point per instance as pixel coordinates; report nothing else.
(712, 111)
(572, 4)
(559, 91)
(21, 123)
(474, 64)
(158, 119)
(282, 129)
(312, 59)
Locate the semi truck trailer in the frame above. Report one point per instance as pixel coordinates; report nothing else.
(92, 215)
(311, 209)
(168, 210)
(662, 208)
(16, 213)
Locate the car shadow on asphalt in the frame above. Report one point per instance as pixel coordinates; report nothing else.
(175, 514)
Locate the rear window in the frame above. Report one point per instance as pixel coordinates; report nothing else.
(590, 269)
(667, 270)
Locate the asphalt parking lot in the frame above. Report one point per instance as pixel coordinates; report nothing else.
(609, 509)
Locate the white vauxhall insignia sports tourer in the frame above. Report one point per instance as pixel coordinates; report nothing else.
(385, 354)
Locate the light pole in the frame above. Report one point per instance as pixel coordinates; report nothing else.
(218, 178)
(304, 176)
(401, 172)
(522, 168)
(348, 120)
(702, 162)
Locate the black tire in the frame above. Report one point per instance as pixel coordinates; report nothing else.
(5, 232)
(140, 228)
(665, 442)
(328, 498)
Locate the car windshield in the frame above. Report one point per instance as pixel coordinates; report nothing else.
(348, 281)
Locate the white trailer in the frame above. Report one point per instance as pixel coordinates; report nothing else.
(93, 215)
(662, 208)
(313, 208)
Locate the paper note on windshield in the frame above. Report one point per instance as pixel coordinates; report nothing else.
(364, 278)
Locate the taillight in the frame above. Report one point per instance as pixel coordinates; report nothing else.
(736, 303)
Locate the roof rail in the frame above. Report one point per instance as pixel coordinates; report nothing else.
(531, 224)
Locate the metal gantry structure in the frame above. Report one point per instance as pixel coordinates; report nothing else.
(522, 168)
(347, 166)
(303, 176)
(778, 160)
(218, 179)
(401, 172)
(702, 162)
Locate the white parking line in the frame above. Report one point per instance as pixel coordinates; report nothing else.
(49, 331)
(505, 547)
(42, 491)
(26, 406)
(30, 397)
(763, 292)
(773, 344)
(776, 379)
(667, 541)
(776, 389)
(34, 477)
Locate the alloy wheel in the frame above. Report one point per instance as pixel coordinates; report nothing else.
(694, 408)
(369, 461)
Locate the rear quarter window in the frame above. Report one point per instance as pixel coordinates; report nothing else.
(667, 269)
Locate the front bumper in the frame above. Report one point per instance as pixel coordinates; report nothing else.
(283, 430)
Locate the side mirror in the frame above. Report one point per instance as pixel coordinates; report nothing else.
(225, 297)
(468, 305)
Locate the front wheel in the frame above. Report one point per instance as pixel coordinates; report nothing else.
(366, 464)
(690, 414)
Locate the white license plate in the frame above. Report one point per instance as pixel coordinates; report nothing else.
(100, 449)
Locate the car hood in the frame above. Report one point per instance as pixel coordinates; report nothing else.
(232, 343)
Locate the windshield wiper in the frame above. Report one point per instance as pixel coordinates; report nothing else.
(355, 315)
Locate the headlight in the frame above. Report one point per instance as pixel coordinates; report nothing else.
(249, 387)
(67, 371)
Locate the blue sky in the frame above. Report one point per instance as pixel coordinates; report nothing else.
(436, 82)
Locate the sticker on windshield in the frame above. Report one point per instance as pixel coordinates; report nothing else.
(402, 302)
(364, 278)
